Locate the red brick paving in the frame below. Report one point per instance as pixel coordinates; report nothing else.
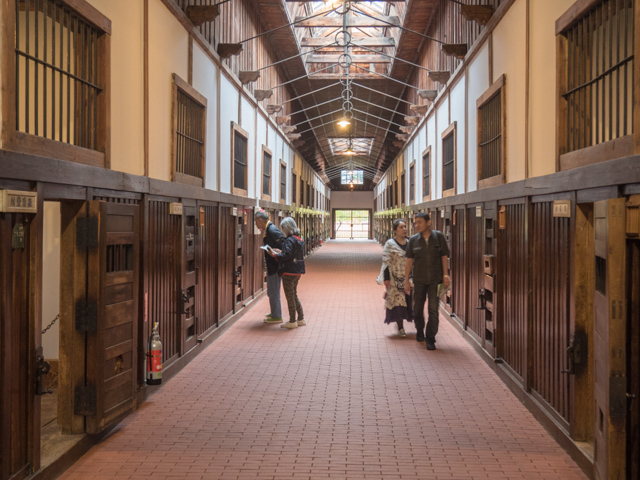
(341, 398)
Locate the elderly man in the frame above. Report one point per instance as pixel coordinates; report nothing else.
(272, 236)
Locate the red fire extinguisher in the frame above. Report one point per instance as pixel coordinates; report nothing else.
(154, 358)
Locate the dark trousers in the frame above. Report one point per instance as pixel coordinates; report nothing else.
(290, 285)
(421, 293)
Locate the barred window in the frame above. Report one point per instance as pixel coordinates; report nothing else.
(283, 180)
(412, 182)
(294, 184)
(597, 87)
(189, 136)
(491, 121)
(426, 173)
(266, 173)
(60, 78)
(239, 170)
(449, 160)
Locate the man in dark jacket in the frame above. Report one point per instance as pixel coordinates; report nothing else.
(273, 237)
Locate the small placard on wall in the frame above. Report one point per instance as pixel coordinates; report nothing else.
(478, 211)
(15, 201)
(234, 211)
(175, 208)
(562, 208)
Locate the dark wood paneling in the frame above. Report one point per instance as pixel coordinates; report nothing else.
(164, 276)
(458, 265)
(512, 253)
(226, 259)
(550, 250)
(475, 270)
(14, 439)
(207, 298)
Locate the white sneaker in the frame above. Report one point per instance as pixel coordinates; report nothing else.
(302, 323)
(289, 325)
(402, 333)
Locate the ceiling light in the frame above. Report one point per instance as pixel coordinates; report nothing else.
(344, 122)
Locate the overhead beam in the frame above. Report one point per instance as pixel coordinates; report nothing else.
(335, 22)
(363, 41)
(355, 58)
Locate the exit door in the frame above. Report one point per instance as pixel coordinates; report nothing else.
(351, 224)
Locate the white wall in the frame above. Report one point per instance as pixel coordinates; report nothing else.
(229, 98)
(205, 81)
(351, 200)
(477, 84)
(51, 279)
(458, 115)
(169, 43)
(509, 58)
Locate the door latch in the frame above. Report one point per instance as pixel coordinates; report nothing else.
(42, 368)
(482, 299)
(576, 351)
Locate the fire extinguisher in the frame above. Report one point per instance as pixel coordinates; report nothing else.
(154, 358)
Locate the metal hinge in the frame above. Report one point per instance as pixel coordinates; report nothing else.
(87, 232)
(86, 316)
(84, 400)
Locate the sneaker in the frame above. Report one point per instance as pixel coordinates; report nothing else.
(431, 345)
(402, 333)
(302, 323)
(289, 325)
(273, 320)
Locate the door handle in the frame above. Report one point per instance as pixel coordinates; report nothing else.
(42, 368)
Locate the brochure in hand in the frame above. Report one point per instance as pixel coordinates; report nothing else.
(442, 290)
(265, 247)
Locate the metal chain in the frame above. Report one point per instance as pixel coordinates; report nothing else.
(51, 324)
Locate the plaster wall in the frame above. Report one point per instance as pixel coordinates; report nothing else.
(542, 101)
(477, 84)
(168, 47)
(229, 99)
(205, 81)
(509, 59)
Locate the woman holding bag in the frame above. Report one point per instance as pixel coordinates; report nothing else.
(392, 275)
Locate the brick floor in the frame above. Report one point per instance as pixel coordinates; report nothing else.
(341, 398)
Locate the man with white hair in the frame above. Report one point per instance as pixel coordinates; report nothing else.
(273, 237)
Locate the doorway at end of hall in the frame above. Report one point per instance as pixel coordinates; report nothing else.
(352, 224)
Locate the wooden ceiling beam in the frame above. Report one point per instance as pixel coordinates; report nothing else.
(335, 22)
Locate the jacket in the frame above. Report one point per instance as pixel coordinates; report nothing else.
(291, 260)
(274, 238)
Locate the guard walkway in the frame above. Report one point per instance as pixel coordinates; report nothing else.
(342, 398)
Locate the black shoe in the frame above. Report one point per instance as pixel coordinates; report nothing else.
(431, 345)
(419, 337)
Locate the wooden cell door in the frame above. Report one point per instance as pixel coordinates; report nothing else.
(633, 358)
(19, 435)
(610, 339)
(99, 315)
(239, 261)
(112, 348)
(189, 278)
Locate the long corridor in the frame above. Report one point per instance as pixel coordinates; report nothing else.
(343, 398)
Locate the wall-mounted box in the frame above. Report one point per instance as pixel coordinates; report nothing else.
(16, 201)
